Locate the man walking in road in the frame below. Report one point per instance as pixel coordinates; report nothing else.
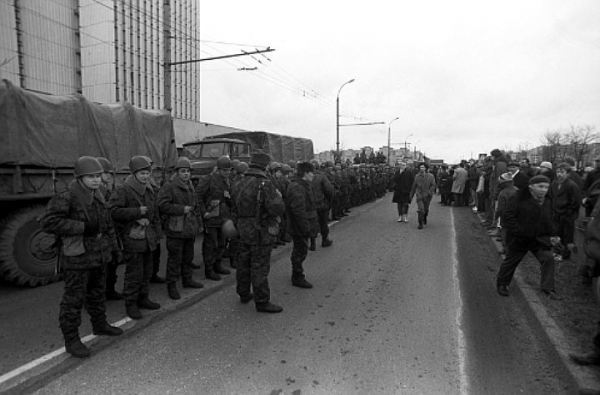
(257, 208)
(529, 228)
(423, 187)
(302, 213)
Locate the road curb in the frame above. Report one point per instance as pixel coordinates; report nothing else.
(585, 379)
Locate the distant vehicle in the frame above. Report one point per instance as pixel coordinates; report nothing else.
(41, 136)
(239, 145)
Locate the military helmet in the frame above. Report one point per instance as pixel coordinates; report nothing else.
(241, 167)
(106, 165)
(275, 166)
(315, 163)
(286, 168)
(235, 163)
(149, 159)
(87, 165)
(224, 162)
(138, 162)
(183, 163)
(292, 163)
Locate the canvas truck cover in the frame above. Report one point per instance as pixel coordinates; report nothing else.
(281, 148)
(53, 131)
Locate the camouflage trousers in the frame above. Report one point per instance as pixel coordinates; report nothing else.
(254, 264)
(179, 263)
(299, 252)
(213, 246)
(138, 272)
(322, 217)
(82, 288)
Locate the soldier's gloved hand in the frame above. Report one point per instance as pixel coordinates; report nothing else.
(91, 229)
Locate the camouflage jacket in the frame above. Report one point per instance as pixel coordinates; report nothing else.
(257, 208)
(213, 194)
(301, 209)
(66, 215)
(125, 203)
(172, 199)
(322, 191)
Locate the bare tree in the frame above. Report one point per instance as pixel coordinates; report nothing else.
(581, 139)
(553, 146)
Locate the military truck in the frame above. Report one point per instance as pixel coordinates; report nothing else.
(239, 145)
(41, 136)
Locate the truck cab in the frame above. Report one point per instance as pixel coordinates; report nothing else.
(204, 153)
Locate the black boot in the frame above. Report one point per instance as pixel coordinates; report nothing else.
(133, 311)
(300, 282)
(156, 279)
(327, 242)
(76, 348)
(313, 246)
(247, 298)
(192, 284)
(145, 303)
(268, 307)
(211, 275)
(111, 294)
(425, 219)
(220, 269)
(105, 329)
(173, 292)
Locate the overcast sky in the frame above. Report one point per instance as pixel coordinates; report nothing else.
(463, 77)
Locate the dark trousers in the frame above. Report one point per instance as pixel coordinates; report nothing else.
(138, 272)
(82, 288)
(179, 262)
(402, 209)
(322, 217)
(299, 252)
(213, 246)
(111, 273)
(156, 259)
(254, 265)
(517, 248)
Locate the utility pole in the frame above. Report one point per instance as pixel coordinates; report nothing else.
(167, 52)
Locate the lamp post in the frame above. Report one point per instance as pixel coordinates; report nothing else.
(337, 119)
(389, 138)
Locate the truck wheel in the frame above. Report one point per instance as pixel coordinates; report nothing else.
(27, 254)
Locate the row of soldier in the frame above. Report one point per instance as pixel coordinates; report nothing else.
(249, 210)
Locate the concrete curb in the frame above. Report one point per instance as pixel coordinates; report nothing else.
(585, 379)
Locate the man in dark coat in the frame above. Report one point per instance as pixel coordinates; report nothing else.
(529, 228)
(520, 179)
(133, 208)
(403, 181)
(214, 201)
(81, 219)
(302, 213)
(177, 204)
(257, 209)
(566, 200)
(323, 193)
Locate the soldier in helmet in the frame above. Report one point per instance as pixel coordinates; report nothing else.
(106, 188)
(302, 213)
(214, 201)
(323, 194)
(81, 219)
(133, 208)
(257, 205)
(177, 201)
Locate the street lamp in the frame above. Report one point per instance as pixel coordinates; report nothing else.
(389, 138)
(337, 119)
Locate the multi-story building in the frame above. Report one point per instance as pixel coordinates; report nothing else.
(107, 50)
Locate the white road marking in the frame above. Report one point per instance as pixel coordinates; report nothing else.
(462, 352)
(56, 353)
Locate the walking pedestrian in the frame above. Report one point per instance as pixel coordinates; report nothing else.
(423, 187)
(566, 200)
(81, 219)
(403, 181)
(529, 228)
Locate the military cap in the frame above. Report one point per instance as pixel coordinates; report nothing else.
(260, 159)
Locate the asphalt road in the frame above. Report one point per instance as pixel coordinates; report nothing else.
(394, 310)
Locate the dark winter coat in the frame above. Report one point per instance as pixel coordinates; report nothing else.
(521, 180)
(566, 200)
(66, 215)
(524, 217)
(322, 191)
(301, 209)
(213, 194)
(257, 208)
(172, 199)
(125, 203)
(402, 184)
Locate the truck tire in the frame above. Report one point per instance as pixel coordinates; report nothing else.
(27, 254)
